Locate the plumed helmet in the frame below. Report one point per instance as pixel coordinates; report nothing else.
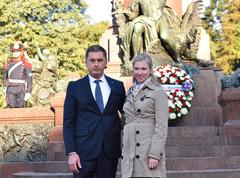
(17, 46)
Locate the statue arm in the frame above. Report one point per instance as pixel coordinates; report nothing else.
(39, 53)
(27, 57)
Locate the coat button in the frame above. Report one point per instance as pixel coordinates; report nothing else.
(137, 132)
(138, 144)
(137, 156)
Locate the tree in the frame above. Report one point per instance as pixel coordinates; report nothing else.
(58, 25)
(221, 20)
(229, 46)
(212, 19)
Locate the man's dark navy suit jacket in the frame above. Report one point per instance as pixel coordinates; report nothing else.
(86, 130)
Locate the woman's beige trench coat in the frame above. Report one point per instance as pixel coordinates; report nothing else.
(145, 131)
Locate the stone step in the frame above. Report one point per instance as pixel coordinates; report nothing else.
(193, 163)
(48, 175)
(195, 131)
(8, 169)
(198, 163)
(193, 148)
(51, 167)
(58, 147)
(41, 175)
(177, 131)
(202, 140)
(202, 151)
(205, 163)
(214, 173)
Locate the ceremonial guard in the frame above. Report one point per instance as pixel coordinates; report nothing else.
(17, 78)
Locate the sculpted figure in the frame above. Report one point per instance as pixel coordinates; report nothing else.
(151, 26)
(44, 77)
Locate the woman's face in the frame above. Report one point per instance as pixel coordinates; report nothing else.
(141, 71)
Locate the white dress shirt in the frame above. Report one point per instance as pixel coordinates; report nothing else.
(105, 88)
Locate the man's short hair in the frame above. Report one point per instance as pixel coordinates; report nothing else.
(96, 48)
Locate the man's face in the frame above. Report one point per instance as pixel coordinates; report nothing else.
(96, 63)
(16, 54)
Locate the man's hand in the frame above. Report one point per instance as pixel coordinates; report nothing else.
(152, 163)
(74, 162)
(4, 91)
(27, 96)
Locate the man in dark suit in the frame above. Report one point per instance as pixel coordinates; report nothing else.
(91, 122)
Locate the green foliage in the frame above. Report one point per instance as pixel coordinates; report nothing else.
(225, 45)
(212, 19)
(58, 25)
(228, 48)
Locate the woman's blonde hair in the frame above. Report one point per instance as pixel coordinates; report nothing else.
(143, 57)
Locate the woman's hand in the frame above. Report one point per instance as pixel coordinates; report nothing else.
(152, 163)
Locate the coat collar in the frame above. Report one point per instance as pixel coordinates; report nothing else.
(149, 84)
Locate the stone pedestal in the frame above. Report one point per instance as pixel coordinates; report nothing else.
(205, 110)
(230, 101)
(55, 137)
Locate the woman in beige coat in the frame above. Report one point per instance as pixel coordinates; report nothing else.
(146, 123)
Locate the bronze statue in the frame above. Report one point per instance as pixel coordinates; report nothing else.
(151, 26)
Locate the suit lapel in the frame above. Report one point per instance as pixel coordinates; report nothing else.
(111, 84)
(86, 88)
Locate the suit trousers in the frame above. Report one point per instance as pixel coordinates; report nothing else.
(102, 167)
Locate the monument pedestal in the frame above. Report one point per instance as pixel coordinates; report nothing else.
(230, 101)
(205, 110)
(55, 136)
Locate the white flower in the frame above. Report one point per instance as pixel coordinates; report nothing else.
(173, 70)
(188, 104)
(172, 79)
(163, 79)
(182, 73)
(190, 93)
(180, 93)
(157, 74)
(179, 114)
(184, 111)
(179, 103)
(170, 104)
(172, 116)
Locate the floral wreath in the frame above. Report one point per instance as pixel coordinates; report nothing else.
(179, 89)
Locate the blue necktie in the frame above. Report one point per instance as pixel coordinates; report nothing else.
(98, 96)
